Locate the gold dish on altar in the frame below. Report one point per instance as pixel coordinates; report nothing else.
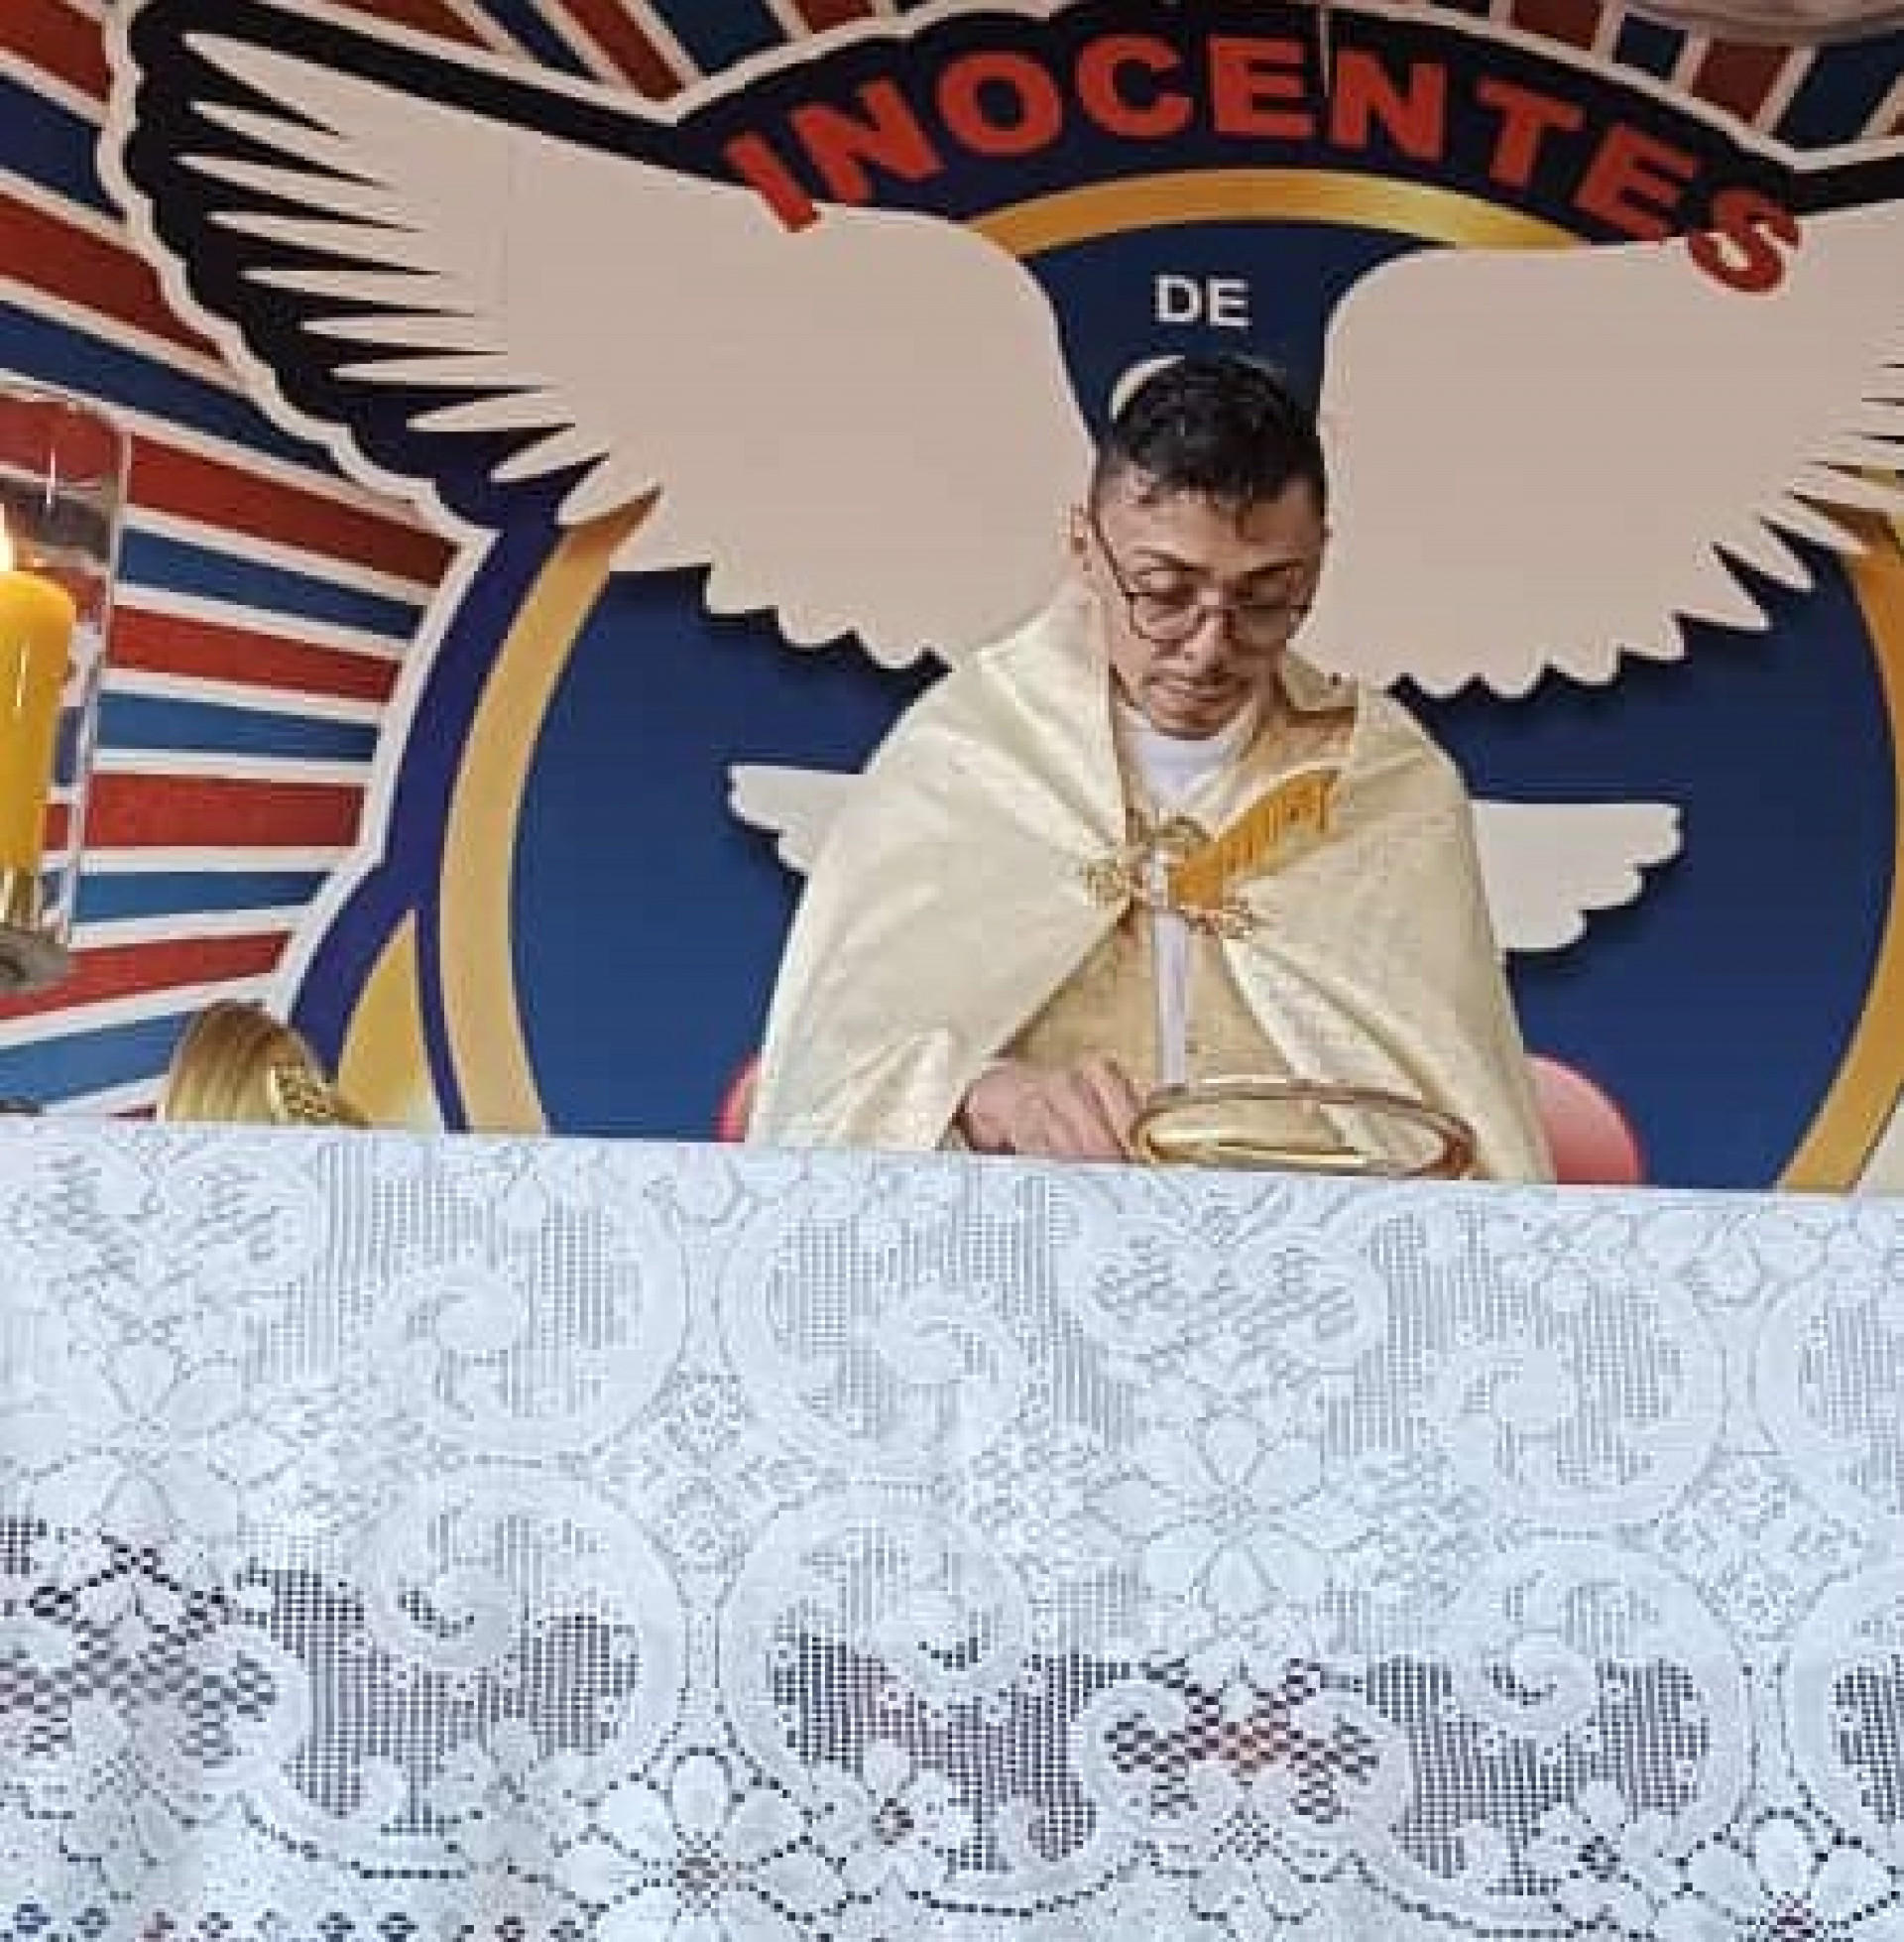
(238, 1063)
(1302, 1126)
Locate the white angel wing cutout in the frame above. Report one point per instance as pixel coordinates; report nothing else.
(1545, 867)
(865, 426)
(795, 806)
(1543, 459)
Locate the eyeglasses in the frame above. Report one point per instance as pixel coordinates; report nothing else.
(1168, 616)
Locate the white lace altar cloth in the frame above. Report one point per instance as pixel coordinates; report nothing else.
(407, 1538)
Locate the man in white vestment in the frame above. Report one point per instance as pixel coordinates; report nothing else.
(1140, 842)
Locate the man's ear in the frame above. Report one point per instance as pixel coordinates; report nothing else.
(1078, 539)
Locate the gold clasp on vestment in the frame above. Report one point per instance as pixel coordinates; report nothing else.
(1143, 869)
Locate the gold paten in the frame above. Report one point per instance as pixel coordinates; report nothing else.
(1234, 1122)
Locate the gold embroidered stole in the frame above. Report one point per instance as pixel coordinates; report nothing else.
(1174, 863)
(1109, 1006)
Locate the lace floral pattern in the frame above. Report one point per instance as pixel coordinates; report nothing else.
(510, 1540)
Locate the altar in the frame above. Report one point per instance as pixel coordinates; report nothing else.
(429, 1537)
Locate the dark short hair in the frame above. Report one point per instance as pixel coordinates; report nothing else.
(1228, 430)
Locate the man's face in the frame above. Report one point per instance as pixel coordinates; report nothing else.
(1198, 603)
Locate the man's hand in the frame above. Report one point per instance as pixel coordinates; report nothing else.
(1079, 1112)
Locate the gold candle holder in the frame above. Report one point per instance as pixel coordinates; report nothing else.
(238, 1064)
(62, 472)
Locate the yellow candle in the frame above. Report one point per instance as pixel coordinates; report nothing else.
(37, 618)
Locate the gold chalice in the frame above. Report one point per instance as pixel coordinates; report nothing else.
(236, 1063)
(1301, 1125)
